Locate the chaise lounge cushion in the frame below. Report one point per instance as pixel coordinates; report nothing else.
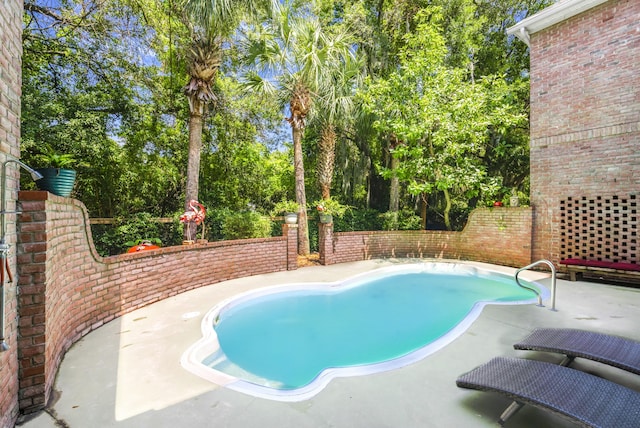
(601, 264)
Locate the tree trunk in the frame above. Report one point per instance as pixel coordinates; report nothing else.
(423, 209)
(301, 199)
(447, 209)
(394, 191)
(193, 164)
(326, 160)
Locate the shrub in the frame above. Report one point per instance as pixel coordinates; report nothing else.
(115, 239)
(402, 220)
(214, 221)
(249, 224)
(359, 219)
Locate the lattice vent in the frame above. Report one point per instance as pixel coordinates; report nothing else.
(600, 228)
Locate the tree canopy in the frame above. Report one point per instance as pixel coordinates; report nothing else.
(410, 106)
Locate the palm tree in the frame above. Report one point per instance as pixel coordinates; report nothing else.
(210, 23)
(335, 105)
(289, 57)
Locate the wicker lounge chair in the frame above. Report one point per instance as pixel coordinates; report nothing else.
(585, 399)
(604, 348)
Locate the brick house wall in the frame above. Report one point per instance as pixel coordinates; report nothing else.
(10, 84)
(67, 290)
(585, 115)
(493, 235)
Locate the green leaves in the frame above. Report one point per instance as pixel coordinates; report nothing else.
(51, 159)
(445, 103)
(439, 114)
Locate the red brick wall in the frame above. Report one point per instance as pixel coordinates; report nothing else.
(585, 113)
(492, 235)
(67, 290)
(10, 83)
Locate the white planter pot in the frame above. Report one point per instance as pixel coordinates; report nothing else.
(291, 218)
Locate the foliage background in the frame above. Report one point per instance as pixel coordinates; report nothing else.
(103, 81)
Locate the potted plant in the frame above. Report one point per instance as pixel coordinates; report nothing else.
(327, 208)
(57, 177)
(287, 208)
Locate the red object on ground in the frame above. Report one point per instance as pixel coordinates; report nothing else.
(497, 204)
(142, 247)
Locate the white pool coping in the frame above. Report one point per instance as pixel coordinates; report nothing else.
(193, 358)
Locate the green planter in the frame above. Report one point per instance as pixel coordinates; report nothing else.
(326, 218)
(57, 181)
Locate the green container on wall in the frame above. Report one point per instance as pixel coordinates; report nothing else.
(326, 218)
(57, 181)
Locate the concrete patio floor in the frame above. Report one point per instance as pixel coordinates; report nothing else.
(127, 373)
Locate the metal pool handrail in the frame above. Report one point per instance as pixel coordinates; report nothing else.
(553, 282)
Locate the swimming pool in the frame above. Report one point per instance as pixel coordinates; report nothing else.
(288, 342)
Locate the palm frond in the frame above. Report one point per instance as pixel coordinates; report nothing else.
(258, 84)
(221, 17)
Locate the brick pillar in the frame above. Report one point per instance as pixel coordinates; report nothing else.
(32, 247)
(290, 231)
(325, 243)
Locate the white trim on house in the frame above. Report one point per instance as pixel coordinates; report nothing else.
(561, 11)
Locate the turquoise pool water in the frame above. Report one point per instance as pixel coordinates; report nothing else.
(290, 338)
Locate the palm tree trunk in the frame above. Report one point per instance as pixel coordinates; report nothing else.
(193, 163)
(394, 191)
(301, 199)
(326, 160)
